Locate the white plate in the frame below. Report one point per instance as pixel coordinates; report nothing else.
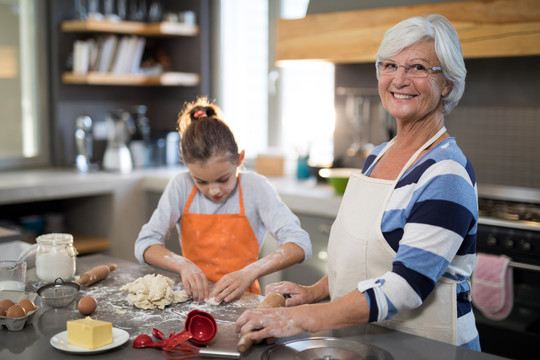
(59, 341)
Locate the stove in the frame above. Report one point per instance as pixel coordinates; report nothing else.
(511, 228)
(509, 224)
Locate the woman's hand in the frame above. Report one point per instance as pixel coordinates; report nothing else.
(232, 286)
(294, 294)
(195, 281)
(259, 323)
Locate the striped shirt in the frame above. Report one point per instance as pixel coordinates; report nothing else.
(431, 222)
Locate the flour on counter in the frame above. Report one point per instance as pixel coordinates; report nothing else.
(112, 304)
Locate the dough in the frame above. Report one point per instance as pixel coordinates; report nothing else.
(212, 301)
(153, 291)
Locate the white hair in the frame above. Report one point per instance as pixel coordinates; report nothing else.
(447, 48)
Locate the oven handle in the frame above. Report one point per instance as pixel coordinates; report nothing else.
(519, 265)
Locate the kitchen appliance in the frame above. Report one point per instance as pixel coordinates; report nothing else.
(117, 156)
(509, 224)
(140, 144)
(83, 140)
(366, 125)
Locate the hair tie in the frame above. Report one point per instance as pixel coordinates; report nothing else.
(199, 114)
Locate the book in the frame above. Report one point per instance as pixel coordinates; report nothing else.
(137, 56)
(106, 53)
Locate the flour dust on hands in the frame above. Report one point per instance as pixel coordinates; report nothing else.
(261, 323)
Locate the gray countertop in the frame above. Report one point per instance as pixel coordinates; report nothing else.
(305, 196)
(33, 342)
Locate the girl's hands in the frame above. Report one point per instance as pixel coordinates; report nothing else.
(231, 286)
(195, 281)
(296, 294)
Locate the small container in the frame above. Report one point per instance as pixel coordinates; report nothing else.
(55, 256)
(12, 275)
(59, 293)
(338, 178)
(173, 148)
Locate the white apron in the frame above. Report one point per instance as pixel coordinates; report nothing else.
(357, 251)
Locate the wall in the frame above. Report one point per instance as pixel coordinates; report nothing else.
(496, 124)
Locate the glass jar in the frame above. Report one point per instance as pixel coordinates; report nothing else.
(55, 257)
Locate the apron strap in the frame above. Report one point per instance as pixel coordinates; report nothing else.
(422, 148)
(190, 199)
(194, 191)
(415, 155)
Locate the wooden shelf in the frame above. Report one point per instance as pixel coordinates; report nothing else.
(165, 79)
(131, 27)
(90, 244)
(486, 28)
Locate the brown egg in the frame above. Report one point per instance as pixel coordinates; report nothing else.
(16, 311)
(87, 305)
(2, 311)
(6, 304)
(27, 304)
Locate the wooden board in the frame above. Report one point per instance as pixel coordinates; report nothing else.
(165, 79)
(89, 244)
(131, 28)
(487, 28)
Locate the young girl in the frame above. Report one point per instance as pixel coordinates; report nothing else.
(221, 214)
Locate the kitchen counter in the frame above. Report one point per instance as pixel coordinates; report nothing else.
(305, 196)
(33, 342)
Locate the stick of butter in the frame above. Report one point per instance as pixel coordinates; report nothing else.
(89, 333)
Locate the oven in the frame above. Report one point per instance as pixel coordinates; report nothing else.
(509, 224)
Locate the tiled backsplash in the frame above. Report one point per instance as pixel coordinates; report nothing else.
(496, 123)
(503, 144)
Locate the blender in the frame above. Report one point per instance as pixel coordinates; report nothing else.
(117, 156)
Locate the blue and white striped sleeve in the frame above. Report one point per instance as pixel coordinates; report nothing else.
(431, 223)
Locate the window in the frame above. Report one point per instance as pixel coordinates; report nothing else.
(23, 138)
(298, 95)
(243, 71)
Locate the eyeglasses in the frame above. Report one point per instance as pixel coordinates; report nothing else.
(413, 71)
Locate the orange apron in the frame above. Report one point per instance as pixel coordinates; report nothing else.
(219, 243)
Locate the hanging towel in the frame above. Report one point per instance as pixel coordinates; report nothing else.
(492, 286)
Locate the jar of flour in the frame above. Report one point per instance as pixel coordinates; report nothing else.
(55, 257)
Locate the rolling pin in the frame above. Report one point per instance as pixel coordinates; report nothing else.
(270, 301)
(96, 274)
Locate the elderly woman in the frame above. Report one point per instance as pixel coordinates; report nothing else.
(402, 247)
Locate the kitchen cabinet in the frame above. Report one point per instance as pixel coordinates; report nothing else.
(487, 28)
(187, 48)
(162, 29)
(315, 268)
(87, 218)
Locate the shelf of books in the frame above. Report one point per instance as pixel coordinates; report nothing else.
(131, 27)
(165, 79)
